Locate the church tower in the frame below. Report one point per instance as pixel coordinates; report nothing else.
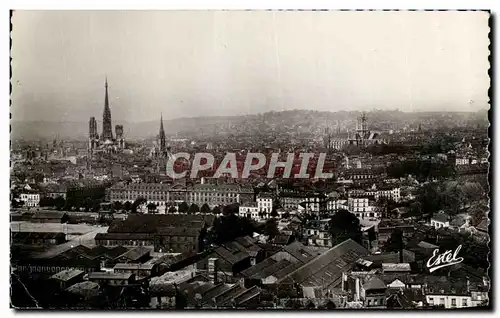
(162, 141)
(93, 136)
(107, 130)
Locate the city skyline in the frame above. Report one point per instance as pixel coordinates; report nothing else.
(383, 63)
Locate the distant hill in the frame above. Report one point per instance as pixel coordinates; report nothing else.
(286, 121)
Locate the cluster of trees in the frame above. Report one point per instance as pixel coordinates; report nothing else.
(87, 204)
(229, 227)
(450, 196)
(422, 169)
(386, 149)
(439, 144)
(345, 225)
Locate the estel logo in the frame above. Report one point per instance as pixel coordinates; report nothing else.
(438, 261)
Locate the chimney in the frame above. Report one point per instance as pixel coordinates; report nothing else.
(212, 269)
(468, 284)
(344, 278)
(357, 295)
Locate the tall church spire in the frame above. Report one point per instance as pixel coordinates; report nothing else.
(107, 130)
(163, 144)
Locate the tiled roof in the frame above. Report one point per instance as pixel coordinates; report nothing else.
(287, 270)
(136, 253)
(67, 274)
(230, 256)
(327, 268)
(108, 275)
(299, 251)
(133, 266)
(217, 290)
(258, 267)
(86, 288)
(149, 223)
(441, 217)
(281, 239)
(270, 270)
(374, 283)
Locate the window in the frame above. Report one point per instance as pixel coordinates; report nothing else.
(431, 301)
(464, 302)
(441, 301)
(453, 302)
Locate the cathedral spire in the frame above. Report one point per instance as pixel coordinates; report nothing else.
(107, 130)
(163, 144)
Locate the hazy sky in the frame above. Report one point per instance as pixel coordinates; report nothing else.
(192, 63)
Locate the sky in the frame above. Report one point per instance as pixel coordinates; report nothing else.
(207, 63)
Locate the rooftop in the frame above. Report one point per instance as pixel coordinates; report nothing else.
(326, 269)
(133, 266)
(149, 223)
(401, 267)
(67, 274)
(109, 275)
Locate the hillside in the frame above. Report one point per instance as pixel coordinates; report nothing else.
(294, 121)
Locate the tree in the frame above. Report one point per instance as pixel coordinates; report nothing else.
(17, 204)
(429, 198)
(229, 227)
(117, 205)
(151, 207)
(172, 209)
(271, 228)
(59, 202)
(231, 209)
(216, 210)
(205, 208)
(415, 209)
(274, 212)
(310, 305)
(329, 305)
(77, 205)
(183, 207)
(286, 215)
(127, 206)
(96, 206)
(87, 204)
(381, 205)
(344, 225)
(395, 241)
(372, 236)
(194, 209)
(139, 201)
(46, 201)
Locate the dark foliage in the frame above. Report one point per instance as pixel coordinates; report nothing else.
(344, 225)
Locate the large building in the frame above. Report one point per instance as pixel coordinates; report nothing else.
(106, 142)
(362, 137)
(174, 233)
(164, 194)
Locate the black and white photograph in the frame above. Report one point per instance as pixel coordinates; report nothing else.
(261, 160)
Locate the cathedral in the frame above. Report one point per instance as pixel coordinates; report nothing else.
(362, 136)
(106, 142)
(160, 152)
